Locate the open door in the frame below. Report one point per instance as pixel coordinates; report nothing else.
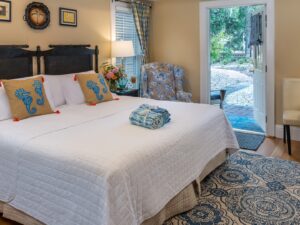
(258, 43)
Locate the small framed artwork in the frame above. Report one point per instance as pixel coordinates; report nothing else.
(68, 17)
(5, 11)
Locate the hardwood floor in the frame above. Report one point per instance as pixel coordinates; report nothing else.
(7, 222)
(272, 147)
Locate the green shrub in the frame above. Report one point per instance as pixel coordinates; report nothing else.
(229, 32)
(243, 60)
(219, 51)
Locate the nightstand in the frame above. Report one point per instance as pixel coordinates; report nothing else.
(127, 92)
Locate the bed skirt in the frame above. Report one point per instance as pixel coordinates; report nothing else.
(184, 201)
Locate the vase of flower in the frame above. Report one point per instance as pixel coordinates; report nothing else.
(122, 83)
(113, 74)
(113, 85)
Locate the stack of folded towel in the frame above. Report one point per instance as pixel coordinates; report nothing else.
(151, 117)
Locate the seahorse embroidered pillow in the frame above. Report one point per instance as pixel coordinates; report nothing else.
(94, 88)
(27, 98)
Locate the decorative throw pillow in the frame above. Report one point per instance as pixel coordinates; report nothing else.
(27, 98)
(94, 88)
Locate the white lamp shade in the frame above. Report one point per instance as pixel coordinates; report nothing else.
(122, 49)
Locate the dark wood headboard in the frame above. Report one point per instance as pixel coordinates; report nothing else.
(15, 61)
(66, 59)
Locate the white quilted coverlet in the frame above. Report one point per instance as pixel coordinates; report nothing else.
(90, 166)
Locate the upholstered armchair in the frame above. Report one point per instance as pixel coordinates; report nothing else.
(163, 82)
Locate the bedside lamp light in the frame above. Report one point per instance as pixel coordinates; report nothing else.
(122, 49)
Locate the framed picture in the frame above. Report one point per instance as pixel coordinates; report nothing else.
(5, 11)
(68, 17)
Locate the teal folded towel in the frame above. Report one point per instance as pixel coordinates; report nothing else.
(150, 117)
(165, 113)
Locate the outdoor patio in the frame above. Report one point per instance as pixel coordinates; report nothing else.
(239, 102)
(233, 42)
(242, 118)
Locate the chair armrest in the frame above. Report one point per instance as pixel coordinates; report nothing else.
(184, 96)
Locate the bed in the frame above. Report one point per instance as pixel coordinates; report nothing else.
(88, 165)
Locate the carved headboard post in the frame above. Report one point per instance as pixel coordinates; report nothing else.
(38, 59)
(97, 59)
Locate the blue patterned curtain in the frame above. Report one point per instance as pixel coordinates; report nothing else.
(141, 12)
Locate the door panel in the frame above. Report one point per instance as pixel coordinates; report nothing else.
(259, 78)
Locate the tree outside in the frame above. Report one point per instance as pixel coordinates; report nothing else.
(230, 55)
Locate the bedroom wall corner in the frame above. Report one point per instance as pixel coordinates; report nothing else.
(94, 26)
(175, 39)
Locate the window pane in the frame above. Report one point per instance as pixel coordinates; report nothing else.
(126, 31)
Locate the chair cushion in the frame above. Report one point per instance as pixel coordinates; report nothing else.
(291, 118)
(161, 84)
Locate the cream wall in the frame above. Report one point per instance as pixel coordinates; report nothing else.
(94, 26)
(287, 46)
(175, 39)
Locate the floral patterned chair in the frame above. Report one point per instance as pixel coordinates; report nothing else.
(163, 82)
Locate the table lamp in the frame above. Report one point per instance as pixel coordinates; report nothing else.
(122, 49)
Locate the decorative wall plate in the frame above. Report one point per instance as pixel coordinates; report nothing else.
(37, 15)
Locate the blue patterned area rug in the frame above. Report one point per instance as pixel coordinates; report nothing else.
(249, 141)
(248, 189)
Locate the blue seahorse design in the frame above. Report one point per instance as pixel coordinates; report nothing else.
(24, 96)
(95, 88)
(102, 81)
(38, 87)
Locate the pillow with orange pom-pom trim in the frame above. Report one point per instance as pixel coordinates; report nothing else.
(27, 98)
(94, 88)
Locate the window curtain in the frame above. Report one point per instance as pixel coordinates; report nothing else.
(141, 12)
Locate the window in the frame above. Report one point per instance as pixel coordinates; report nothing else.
(125, 30)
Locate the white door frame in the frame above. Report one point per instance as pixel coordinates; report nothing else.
(270, 52)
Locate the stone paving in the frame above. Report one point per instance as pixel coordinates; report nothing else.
(239, 86)
(243, 97)
(239, 101)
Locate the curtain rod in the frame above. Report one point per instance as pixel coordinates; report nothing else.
(135, 2)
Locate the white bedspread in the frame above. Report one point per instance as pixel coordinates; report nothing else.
(89, 166)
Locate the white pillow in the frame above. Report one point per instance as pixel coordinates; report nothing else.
(54, 85)
(5, 112)
(72, 92)
(49, 95)
(64, 89)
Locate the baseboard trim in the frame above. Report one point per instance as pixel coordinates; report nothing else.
(295, 132)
